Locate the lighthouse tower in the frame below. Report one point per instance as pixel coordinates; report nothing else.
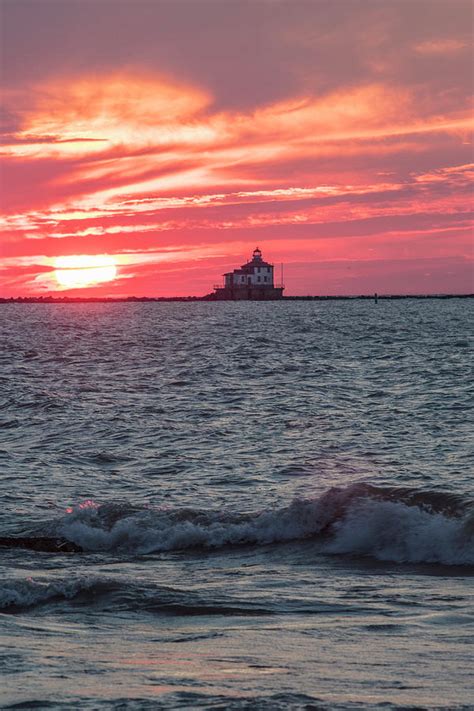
(252, 282)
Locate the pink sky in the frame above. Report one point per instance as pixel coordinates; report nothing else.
(174, 137)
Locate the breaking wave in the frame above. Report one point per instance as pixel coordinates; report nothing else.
(390, 524)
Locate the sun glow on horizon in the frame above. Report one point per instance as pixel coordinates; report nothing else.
(76, 271)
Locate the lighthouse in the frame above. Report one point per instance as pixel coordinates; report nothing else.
(253, 281)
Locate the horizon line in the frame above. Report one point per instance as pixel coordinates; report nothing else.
(319, 297)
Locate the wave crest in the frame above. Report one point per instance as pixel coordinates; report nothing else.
(389, 524)
(396, 532)
(30, 593)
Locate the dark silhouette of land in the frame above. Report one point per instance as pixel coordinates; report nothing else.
(187, 299)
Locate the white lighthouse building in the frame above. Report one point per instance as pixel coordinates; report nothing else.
(253, 281)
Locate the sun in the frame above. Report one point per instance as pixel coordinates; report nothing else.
(84, 270)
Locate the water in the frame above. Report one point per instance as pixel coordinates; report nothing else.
(273, 500)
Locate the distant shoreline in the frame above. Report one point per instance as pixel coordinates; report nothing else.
(188, 299)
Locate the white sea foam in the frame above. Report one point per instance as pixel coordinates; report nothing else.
(353, 521)
(154, 530)
(407, 534)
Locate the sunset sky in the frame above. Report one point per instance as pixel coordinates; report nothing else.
(150, 146)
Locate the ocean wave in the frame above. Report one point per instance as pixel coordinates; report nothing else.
(390, 531)
(392, 524)
(16, 594)
(229, 702)
(106, 594)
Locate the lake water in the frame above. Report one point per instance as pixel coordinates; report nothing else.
(273, 500)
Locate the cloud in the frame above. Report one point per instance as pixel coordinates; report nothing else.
(89, 114)
(152, 137)
(441, 46)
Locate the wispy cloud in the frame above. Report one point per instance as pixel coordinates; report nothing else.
(442, 46)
